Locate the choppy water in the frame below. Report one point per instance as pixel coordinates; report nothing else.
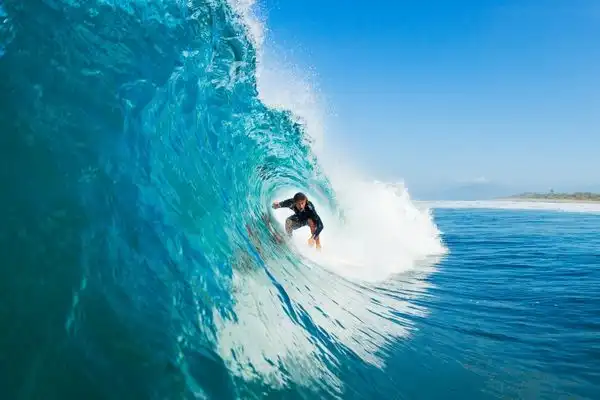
(142, 144)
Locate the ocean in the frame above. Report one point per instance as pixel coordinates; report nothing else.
(143, 144)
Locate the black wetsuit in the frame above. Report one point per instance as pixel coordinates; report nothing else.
(300, 218)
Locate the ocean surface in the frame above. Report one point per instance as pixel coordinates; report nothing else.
(142, 144)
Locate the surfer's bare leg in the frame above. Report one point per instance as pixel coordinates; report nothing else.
(289, 224)
(313, 228)
(292, 223)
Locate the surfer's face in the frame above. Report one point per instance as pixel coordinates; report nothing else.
(301, 204)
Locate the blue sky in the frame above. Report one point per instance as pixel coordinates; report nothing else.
(443, 92)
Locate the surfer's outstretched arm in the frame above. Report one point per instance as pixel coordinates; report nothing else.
(283, 204)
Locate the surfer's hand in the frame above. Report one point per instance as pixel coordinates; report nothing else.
(318, 246)
(275, 204)
(311, 241)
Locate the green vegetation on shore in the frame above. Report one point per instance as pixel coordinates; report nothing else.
(577, 196)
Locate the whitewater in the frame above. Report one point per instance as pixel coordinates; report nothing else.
(144, 145)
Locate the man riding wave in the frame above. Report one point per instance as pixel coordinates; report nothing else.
(304, 214)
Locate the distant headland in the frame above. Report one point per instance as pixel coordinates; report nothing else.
(552, 196)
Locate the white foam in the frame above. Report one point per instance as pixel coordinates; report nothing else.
(256, 28)
(383, 234)
(264, 337)
(574, 207)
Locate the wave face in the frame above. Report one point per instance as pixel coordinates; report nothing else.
(141, 260)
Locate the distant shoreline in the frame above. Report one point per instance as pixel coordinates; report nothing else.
(593, 199)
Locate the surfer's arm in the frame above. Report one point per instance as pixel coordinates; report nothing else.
(285, 204)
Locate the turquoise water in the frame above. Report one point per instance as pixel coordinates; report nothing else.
(143, 143)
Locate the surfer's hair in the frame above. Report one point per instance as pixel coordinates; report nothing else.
(299, 197)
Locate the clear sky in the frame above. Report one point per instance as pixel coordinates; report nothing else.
(452, 91)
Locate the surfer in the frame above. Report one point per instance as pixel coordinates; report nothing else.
(304, 214)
